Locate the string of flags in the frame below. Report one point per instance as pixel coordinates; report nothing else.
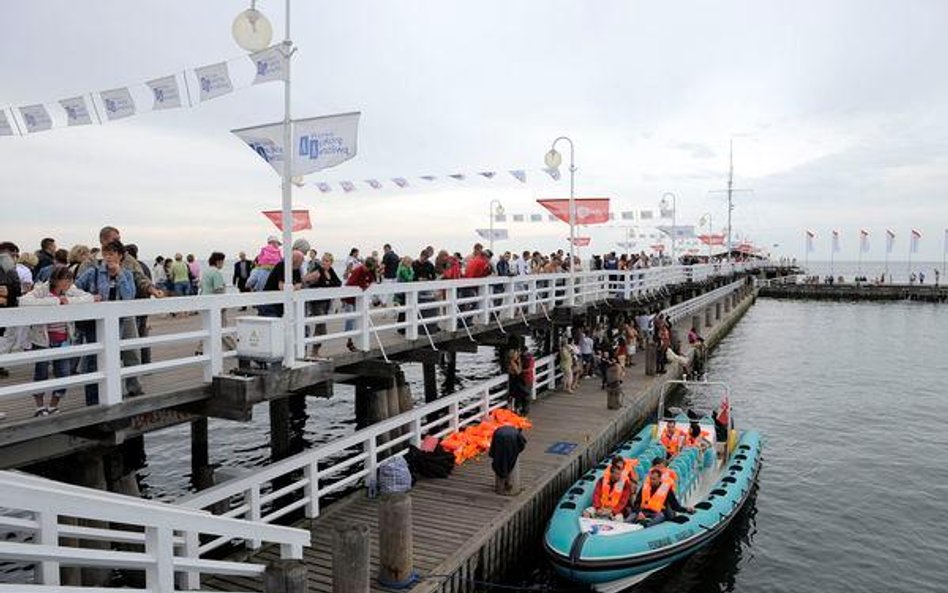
(350, 185)
(184, 88)
(915, 237)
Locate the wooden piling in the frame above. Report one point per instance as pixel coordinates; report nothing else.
(285, 576)
(431, 381)
(396, 569)
(350, 558)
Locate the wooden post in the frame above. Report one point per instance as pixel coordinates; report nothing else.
(431, 381)
(350, 558)
(279, 429)
(509, 486)
(450, 372)
(285, 576)
(395, 541)
(202, 474)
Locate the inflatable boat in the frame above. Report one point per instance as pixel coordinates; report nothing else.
(715, 476)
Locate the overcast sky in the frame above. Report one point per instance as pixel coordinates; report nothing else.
(838, 110)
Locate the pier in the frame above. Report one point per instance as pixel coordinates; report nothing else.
(462, 529)
(928, 293)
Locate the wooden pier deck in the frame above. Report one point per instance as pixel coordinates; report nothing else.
(462, 529)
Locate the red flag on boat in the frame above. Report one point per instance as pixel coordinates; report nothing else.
(581, 241)
(300, 219)
(724, 414)
(588, 210)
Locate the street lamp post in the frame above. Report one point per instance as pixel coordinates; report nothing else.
(553, 159)
(496, 208)
(252, 32)
(674, 205)
(706, 217)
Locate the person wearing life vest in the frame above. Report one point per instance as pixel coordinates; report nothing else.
(656, 501)
(668, 474)
(694, 439)
(671, 438)
(613, 491)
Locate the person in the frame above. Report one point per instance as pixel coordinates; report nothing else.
(528, 375)
(586, 345)
(403, 273)
(59, 290)
(613, 491)
(275, 282)
(668, 473)
(566, 364)
(44, 256)
(327, 279)
(390, 264)
(514, 369)
(179, 276)
(212, 282)
(694, 439)
(194, 274)
(655, 501)
(613, 376)
(242, 269)
(671, 438)
(361, 275)
(158, 274)
(109, 281)
(351, 262)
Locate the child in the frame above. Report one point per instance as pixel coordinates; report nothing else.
(58, 291)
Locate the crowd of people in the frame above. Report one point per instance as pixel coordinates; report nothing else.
(111, 270)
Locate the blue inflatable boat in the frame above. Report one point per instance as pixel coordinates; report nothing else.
(715, 477)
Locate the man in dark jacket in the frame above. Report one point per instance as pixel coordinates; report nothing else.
(45, 254)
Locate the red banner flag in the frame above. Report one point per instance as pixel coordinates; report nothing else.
(581, 241)
(711, 239)
(300, 219)
(588, 210)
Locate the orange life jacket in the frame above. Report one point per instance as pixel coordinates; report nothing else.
(669, 475)
(609, 496)
(656, 502)
(671, 442)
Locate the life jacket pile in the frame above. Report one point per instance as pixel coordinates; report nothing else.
(475, 439)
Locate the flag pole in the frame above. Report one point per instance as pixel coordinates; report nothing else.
(833, 241)
(289, 332)
(859, 265)
(888, 239)
(944, 256)
(911, 239)
(806, 250)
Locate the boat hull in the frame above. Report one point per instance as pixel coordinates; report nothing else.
(609, 560)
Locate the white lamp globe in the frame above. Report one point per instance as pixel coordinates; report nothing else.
(553, 159)
(252, 30)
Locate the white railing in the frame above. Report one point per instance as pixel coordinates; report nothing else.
(198, 343)
(161, 540)
(696, 305)
(305, 480)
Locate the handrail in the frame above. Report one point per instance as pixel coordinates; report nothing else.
(682, 310)
(458, 305)
(367, 450)
(170, 534)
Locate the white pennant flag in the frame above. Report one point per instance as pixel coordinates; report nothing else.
(36, 118)
(268, 64)
(165, 91)
(496, 234)
(118, 103)
(318, 142)
(5, 129)
(77, 114)
(213, 80)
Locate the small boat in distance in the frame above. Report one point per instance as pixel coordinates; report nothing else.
(715, 477)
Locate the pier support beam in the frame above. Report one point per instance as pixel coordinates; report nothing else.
(202, 474)
(395, 541)
(708, 320)
(350, 558)
(430, 375)
(91, 474)
(279, 429)
(717, 310)
(727, 304)
(450, 372)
